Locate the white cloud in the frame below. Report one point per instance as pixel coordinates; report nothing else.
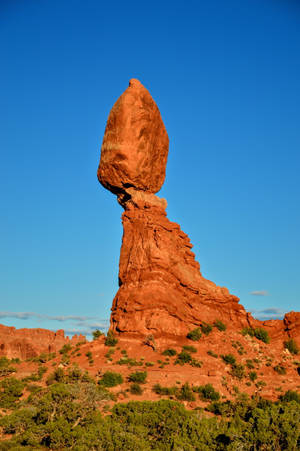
(260, 293)
(269, 313)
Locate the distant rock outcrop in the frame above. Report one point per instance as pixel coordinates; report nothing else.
(28, 343)
(162, 291)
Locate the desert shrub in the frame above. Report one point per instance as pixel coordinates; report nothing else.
(111, 379)
(207, 392)
(65, 349)
(220, 325)
(58, 375)
(189, 348)
(11, 391)
(169, 352)
(196, 363)
(136, 389)
(290, 395)
(229, 359)
(238, 371)
(280, 369)
(129, 361)
(185, 393)
(291, 345)
(35, 377)
(183, 357)
(5, 367)
(110, 339)
(206, 328)
(168, 391)
(212, 354)
(252, 376)
(97, 334)
(259, 333)
(250, 364)
(139, 377)
(195, 334)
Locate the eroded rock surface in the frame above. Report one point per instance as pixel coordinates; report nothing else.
(162, 291)
(28, 343)
(135, 145)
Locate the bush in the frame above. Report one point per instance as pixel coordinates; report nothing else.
(229, 359)
(168, 391)
(97, 333)
(206, 328)
(290, 396)
(183, 357)
(291, 345)
(110, 339)
(111, 379)
(252, 376)
(238, 371)
(12, 390)
(139, 377)
(259, 333)
(136, 389)
(195, 334)
(65, 349)
(207, 392)
(188, 348)
(169, 352)
(185, 393)
(280, 369)
(212, 354)
(220, 325)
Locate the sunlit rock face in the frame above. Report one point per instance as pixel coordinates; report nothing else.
(135, 145)
(162, 291)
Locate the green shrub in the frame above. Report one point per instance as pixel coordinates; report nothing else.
(291, 345)
(183, 357)
(238, 371)
(189, 348)
(195, 334)
(136, 389)
(110, 339)
(229, 359)
(185, 393)
(58, 375)
(139, 377)
(168, 391)
(207, 392)
(280, 369)
(111, 379)
(65, 349)
(97, 334)
(252, 375)
(259, 333)
(290, 396)
(11, 391)
(206, 328)
(212, 354)
(250, 364)
(220, 325)
(169, 352)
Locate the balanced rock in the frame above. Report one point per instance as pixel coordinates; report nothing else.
(135, 145)
(162, 291)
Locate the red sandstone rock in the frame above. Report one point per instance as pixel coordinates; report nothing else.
(162, 291)
(135, 145)
(28, 343)
(161, 288)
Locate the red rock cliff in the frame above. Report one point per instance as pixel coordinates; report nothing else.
(162, 291)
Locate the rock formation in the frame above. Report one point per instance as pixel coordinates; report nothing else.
(28, 343)
(162, 291)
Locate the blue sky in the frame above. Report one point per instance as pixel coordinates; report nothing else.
(225, 76)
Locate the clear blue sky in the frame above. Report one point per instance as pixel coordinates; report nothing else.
(225, 76)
